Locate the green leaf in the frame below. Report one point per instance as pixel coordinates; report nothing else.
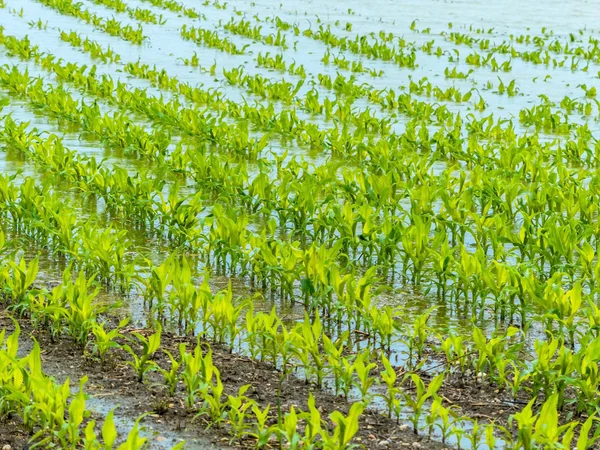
(109, 431)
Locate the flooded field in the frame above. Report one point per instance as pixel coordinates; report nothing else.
(302, 225)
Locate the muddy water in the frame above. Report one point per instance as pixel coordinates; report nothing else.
(159, 436)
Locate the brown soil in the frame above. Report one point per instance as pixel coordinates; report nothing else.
(116, 383)
(481, 400)
(12, 434)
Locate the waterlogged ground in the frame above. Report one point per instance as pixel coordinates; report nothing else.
(531, 80)
(501, 92)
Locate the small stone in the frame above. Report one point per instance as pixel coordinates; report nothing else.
(416, 445)
(384, 443)
(371, 436)
(7, 447)
(160, 439)
(404, 427)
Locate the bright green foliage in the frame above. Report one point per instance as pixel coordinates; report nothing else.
(143, 363)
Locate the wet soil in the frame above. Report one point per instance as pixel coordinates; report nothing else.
(483, 401)
(12, 434)
(114, 384)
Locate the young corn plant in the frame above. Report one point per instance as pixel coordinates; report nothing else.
(238, 409)
(364, 380)
(416, 340)
(171, 376)
(18, 286)
(543, 429)
(456, 351)
(262, 432)
(104, 340)
(441, 418)
(416, 401)
(345, 428)
(143, 363)
(314, 424)
(336, 361)
(392, 397)
(308, 349)
(134, 439)
(214, 406)
(495, 353)
(197, 373)
(81, 311)
(288, 431)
